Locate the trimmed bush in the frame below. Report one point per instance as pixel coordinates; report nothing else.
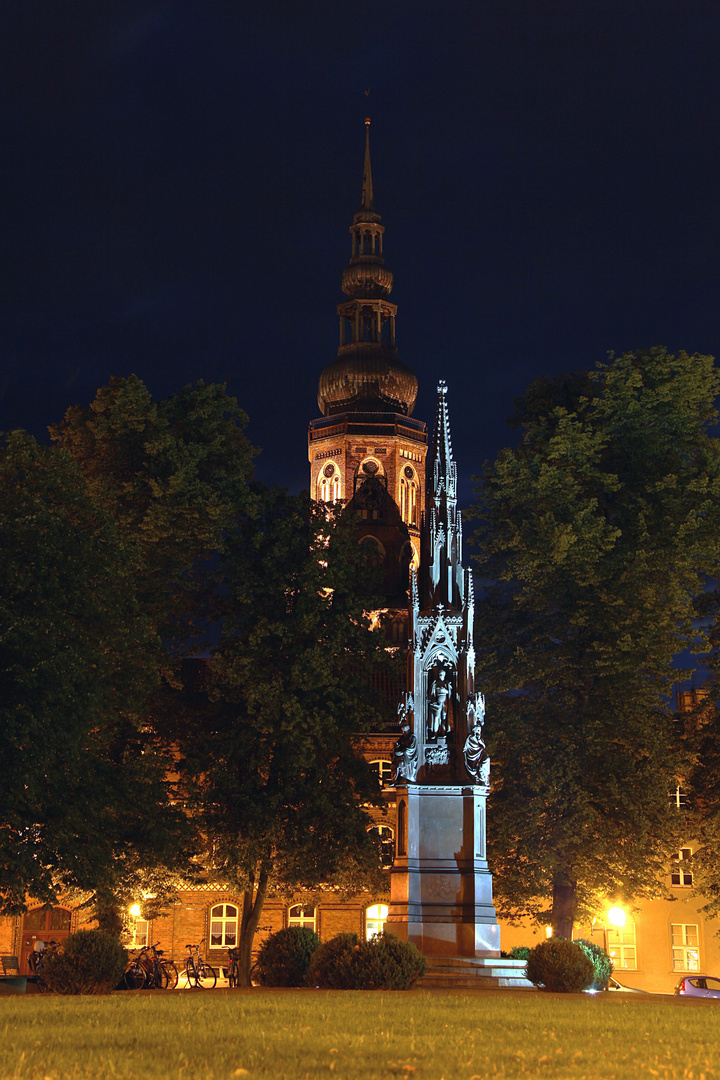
(284, 957)
(560, 966)
(331, 966)
(382, 963)
(89, 962)
(601, 962)
(520, 952)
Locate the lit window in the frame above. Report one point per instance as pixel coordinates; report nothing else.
(681, 877)
(383, 770)
(302, 915)
(387, 844)
(139, 929)
(678, 797)
(619, 942)
(329, 484)
(409, 496)
(375, 917)
(685, 949)
(223, 926)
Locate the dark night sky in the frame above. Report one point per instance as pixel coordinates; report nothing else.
(179, 178)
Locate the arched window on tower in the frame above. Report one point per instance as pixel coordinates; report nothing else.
(329, 484)
(409, 496)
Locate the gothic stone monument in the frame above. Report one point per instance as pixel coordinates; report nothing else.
(441, 888)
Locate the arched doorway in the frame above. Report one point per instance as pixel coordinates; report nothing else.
(44, 924)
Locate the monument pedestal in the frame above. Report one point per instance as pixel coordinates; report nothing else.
(441, 888)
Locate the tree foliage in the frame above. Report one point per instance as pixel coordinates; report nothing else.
(109, 544)
(171, 475)
(270, 763)
(82, 783)
(595, 534)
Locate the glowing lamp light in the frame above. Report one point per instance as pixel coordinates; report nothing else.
(616, 916)
(548, 931)
(135, 911)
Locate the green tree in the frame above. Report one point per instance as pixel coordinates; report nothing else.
(595, 535)
(83, 782)
(171, 474)
(270, 764)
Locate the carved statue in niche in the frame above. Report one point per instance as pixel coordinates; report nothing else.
(476, 758)
(406, 755)
(438, 705)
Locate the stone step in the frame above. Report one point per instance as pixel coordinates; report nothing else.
(475, 962)
(478, 972)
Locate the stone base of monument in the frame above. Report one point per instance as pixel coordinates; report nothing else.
(475, 973)
(441, 886)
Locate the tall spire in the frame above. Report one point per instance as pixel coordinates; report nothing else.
(367, 188)
(367, 375)
(445, 469)
(444, 563)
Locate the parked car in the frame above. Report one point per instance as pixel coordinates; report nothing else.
(613, 984)
(704, 986)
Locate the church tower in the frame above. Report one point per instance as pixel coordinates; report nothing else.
(366, 450)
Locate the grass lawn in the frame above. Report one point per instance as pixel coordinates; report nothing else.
(418, 1035)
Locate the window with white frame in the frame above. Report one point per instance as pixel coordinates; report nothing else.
(223, 926)
(139, 932)
(375, 917)
(303, 915)
(619, 943)
(387, 844)
(383, 770)
(680, 876)
(685, 947)
(678, 798)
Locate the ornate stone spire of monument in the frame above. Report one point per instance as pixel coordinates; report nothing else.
(441, 892)
(442, 609)
(444, 573)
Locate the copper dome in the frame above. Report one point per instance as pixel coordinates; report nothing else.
(367, 277)
(367, 377)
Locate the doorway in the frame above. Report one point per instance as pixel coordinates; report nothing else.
(44, 924)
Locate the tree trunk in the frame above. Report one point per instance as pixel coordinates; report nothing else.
(253, 900)
(562, 918)
(108, 912)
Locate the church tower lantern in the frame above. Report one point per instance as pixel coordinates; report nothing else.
(366, 449)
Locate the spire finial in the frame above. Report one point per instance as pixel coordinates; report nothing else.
(442, 442)
(367, 188)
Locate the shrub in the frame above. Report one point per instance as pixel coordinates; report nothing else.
(382, 963)
(520, 952)
(560, 966)
(89, 962)
(601, 962)
(284, 957)
(331, 966)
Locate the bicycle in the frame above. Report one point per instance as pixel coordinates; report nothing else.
(36, 959)
(148, 970)
(233, 971)
(198, 972)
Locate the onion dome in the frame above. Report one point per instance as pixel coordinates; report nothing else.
(367, 375)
